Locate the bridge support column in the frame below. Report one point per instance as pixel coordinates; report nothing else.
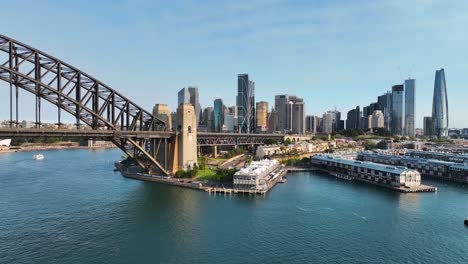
(215, 151)
(187, 137)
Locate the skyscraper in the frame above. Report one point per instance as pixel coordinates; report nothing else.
(218, 114)
(440, 118)
(410, 89)
(245, 102)
(163, 112)
(261, 116)
(327, 122)
(428, 126)
(353, 118)
(291, 113)
(377, 119)
(189, 95)
(398, 109)
(385, 102)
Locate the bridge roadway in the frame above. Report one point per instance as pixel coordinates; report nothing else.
(203, 138)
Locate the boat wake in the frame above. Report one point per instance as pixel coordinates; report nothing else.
(360, 216)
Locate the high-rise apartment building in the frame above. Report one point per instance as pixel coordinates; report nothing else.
(245, 102)
(440, 117)
(398, 109)
(410, 96)
(163, 112)
(262, 116)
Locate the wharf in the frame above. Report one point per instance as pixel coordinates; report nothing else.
(279, 177)
(299, 169)
(415, 189)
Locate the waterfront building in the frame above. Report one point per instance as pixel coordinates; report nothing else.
(262, 116)
(369, 172)
(440, 118)
(218, 114)
(410, 99)
(5, 142)
(444, 156)
(256, 175)
(245, 102)
(377, 119)
(163, 112)
(444, 170)
(397, 113)
(428, 126)
(353, 119)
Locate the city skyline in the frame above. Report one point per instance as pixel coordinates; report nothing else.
(284, 67)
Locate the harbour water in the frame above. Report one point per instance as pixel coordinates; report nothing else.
(72, 208)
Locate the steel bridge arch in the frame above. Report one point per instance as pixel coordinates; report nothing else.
(86, 98)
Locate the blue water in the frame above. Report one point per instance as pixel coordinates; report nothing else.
(72, 208)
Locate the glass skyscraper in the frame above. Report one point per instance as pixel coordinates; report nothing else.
(398, 108)
(245, 102)
(218, 114)
(410, 88)
(440, 106)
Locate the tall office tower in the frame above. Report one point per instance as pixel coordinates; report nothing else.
(175, 121)
(410, 96)
(428, 126)
(440, 118)
(377, 119)
(337, 123)
(398, 109)
(261, 116)
(353, 118)
(369, 122)
(189, 95)
(208, 119)
(163, 112)
(272, 121)
(310, 124)
(281, 107)
(327, 122)
(291, 113)
(385, 102)
(296, 116)
(218, 114)
(245, 102)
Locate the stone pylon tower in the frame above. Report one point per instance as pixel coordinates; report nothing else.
(186, 137)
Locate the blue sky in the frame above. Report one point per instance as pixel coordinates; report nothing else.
(332, 53)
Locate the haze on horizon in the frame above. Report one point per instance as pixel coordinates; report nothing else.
(334, 54)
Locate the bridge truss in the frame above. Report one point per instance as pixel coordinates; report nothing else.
(91, 102)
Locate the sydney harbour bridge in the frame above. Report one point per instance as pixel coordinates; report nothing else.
(104, 112)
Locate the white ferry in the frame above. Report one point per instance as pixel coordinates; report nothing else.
(38, 157)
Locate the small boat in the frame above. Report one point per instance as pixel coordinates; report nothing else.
(38, 157)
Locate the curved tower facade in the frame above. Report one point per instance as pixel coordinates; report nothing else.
(440, 105)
